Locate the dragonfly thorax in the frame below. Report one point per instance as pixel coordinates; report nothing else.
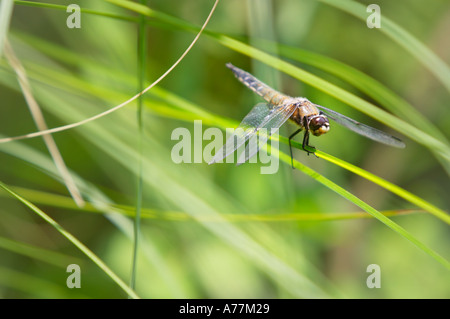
(318, 124)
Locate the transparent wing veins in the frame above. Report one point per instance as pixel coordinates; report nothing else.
(266, 131)
(263, 115)
(362, 129)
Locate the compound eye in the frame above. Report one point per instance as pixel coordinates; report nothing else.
(319, 125)
(318, 122)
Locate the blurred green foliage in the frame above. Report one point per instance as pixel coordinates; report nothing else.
(77, 73)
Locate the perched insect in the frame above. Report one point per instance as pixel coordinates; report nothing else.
(279, 108)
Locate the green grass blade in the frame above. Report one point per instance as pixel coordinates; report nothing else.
(64, 202)
(419, 202)
(366, 207)
(100, 203)
(37, 253)
(140, 8)
(6, 9)
(417, 49)
(83, 10)
(35, 285)
(141, 56)
(74, 241)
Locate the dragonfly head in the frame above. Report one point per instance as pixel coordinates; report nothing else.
(319, 124)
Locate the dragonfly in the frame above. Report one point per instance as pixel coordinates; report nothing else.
(269, 116)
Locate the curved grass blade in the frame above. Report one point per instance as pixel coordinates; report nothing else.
(74, 241)
(40, 122)
(115, 108)
(366, 207)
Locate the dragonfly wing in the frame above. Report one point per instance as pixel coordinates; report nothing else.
(363, 129)
(266, 130)
(259, 116)
(242, 133)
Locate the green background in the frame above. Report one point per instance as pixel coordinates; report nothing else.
(217, 231)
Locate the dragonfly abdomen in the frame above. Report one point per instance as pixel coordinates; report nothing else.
(266, 92)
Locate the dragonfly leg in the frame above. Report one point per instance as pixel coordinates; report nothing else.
(306, 136)
(306, 143)
(290, 146)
